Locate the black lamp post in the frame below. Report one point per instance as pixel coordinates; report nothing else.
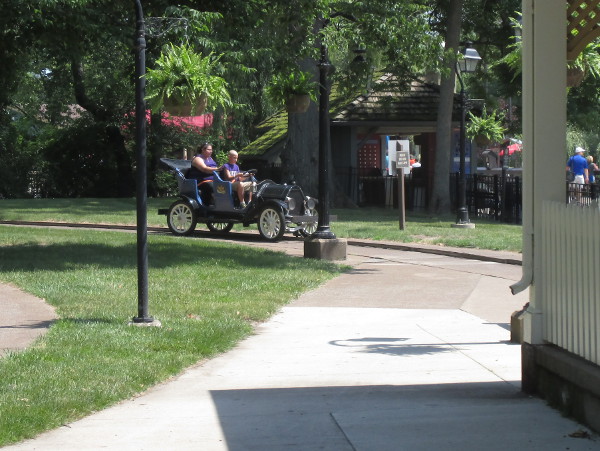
(140, 146)
(466, 65)
(325, 68)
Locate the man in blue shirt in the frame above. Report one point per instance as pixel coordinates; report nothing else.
(578, 165)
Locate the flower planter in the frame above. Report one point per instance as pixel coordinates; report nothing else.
(481, 140)
(176, 107)
(297, 103)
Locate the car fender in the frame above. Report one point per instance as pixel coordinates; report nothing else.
(256, 207)
(277, 203)
(193, 202)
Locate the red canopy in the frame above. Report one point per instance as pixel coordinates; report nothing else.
(512, 148)
(204, 120)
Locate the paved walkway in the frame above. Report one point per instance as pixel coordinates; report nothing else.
(408, 351)
(24, 318)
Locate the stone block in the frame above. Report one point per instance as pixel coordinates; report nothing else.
(325, 249)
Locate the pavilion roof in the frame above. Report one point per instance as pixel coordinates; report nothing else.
(583, 25)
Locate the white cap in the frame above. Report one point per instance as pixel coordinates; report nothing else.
(579, 149)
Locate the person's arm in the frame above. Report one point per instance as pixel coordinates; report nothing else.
(585, 175)
(242, 175)
(227, 175)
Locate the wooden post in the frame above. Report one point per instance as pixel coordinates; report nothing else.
(402, 161)
(401, 198)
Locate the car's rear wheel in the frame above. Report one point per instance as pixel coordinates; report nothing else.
(181, 218)
(271, 223)
(219, 227)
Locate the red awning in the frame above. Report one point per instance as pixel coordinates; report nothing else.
(511, 149)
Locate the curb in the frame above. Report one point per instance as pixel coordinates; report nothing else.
(505, 257)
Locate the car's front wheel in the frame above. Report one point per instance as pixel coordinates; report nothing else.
(181, 218)
(219, 227)
(311, 227)
(271, 223)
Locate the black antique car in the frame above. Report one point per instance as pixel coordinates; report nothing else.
(275, 208)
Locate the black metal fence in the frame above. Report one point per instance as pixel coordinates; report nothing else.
(497, 196)
(583, 195)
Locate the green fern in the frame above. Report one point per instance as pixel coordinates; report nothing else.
(186, 76)
(488, 125)
(294, 83)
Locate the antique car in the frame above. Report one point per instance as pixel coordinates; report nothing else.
(275, 208)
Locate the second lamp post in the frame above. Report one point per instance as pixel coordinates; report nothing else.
(468, 64)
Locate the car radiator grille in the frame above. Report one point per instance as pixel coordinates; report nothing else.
(296, 194)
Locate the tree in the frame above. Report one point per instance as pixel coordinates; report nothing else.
(488, 26)
(385, 28)
(440, 197)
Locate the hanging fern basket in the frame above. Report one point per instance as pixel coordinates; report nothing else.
(481, 140)
(297, 103)
(177, 107)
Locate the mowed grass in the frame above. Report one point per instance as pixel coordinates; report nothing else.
(384, 224)
(88, 211)
(207, 295)
(359, 223)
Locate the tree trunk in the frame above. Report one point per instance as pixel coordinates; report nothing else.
(125, 176)
(440, 196)
(154, 152)
(300, 155)
(115, 139)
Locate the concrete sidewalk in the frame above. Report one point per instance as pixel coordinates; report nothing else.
(23, 319)
(408, 351)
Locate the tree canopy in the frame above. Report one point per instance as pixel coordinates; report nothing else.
(67, 71)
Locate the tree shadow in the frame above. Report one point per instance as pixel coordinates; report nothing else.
(397, 347)
(33, 257)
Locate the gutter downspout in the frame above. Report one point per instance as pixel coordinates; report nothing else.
(527, 274)
(528, 144)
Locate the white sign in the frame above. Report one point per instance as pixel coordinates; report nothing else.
(402, 159)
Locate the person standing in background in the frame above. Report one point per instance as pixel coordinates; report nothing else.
(592, 168)
(578, 165)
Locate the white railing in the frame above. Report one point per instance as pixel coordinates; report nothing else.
(571, 278)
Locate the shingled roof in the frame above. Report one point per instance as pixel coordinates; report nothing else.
(391, 101)
(388, 102)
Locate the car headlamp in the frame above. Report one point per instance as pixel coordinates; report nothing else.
(291, 203)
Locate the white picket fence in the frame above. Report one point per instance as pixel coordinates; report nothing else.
(570, 248)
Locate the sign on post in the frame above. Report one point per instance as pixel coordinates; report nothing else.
(402, 158)
(402, 161)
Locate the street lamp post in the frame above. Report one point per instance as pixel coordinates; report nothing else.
(325, 68)
(140, 145)
(468, 64)
(323, 244)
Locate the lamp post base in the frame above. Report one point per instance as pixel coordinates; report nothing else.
(148, 321)
(325, 249)
(323, 234)
(463, 225)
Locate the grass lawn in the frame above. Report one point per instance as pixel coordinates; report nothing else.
(383, 224)
(207, 295)
(365, 223)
